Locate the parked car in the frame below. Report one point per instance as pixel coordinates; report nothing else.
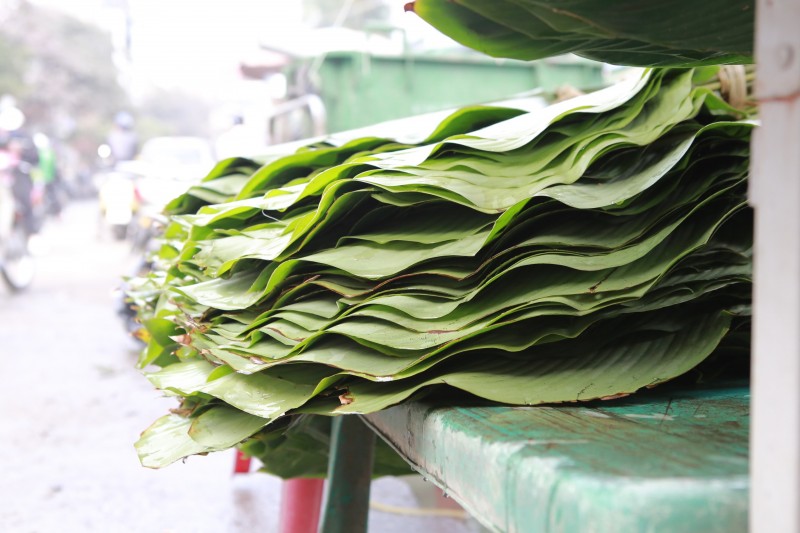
(167, 166)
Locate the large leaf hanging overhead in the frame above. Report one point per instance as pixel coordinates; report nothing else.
(624, 32)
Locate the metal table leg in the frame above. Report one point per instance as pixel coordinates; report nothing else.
(346, 505)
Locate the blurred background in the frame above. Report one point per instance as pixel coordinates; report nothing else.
(108, 109)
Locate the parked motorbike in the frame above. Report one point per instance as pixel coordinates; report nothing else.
(118, 201)
(17, 265)
(147, 244)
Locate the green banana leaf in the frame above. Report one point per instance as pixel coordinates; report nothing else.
(631, 32)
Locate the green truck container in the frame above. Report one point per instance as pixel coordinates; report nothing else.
(359, 89)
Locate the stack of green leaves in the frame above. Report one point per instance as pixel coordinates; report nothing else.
(583, 251)
(623, 32)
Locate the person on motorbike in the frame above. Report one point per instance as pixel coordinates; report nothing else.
(122, 140)
(48, 176)
(117, 194)
(17, 221)
(23, 157)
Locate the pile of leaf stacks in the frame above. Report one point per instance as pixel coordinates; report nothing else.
(583, 251)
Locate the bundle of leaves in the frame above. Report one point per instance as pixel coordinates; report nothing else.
(623, 32)
(583, 251)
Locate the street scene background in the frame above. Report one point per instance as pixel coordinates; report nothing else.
(105, 90)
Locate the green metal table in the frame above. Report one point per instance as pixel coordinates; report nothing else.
(672, 459)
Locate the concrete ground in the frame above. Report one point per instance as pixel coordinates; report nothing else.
(73, 404)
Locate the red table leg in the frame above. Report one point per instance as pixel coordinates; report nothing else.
(242, 464)
(301, 501)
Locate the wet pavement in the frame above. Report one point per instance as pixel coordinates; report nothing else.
(72, 405)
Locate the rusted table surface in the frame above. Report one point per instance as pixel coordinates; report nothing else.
(670, 459)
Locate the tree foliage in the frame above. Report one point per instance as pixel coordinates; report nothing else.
(172, 112)
(61, 72)
(360, 14)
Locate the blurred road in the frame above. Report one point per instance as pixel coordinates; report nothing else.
(72, 405)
